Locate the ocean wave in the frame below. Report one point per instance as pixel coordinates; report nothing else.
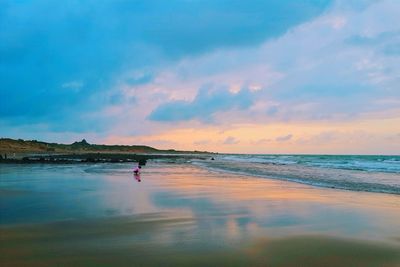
(368, 163)
(312, 174)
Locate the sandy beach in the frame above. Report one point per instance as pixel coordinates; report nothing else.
(185, 215)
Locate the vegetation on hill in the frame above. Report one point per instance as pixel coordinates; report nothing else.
(8, 145)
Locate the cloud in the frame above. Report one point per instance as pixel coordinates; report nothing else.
(299, 80)
(382, 37)
(207, 102)
(284, 138)
(230, 141)
(387, 42)
(88, 45)
(202, 142)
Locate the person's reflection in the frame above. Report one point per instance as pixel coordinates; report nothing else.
(137, 177)
(136, 173)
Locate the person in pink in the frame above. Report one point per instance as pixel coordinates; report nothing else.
(136, 170)
(136, 173)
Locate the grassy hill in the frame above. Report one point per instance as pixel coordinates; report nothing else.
(8, 145)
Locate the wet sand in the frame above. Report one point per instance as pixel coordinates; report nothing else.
(180, 215)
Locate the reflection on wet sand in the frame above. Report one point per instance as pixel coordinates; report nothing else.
(257, 206)
(137, 177)
(183, 215)
(127, 242)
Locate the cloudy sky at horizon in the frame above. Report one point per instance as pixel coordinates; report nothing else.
(311, 76)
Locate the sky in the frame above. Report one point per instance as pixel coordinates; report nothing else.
(310, 76)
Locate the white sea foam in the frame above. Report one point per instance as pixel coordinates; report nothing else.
(357, 173)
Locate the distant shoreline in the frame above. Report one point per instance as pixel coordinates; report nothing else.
(33, 151)
(76, 158)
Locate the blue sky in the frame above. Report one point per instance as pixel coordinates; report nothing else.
(146, 71)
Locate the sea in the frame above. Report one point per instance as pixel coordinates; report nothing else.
(370, 173)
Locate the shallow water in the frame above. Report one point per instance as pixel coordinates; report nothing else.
(379, 174)
(180, 214)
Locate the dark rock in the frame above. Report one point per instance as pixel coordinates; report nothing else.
(90, 160)
(142, 162)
